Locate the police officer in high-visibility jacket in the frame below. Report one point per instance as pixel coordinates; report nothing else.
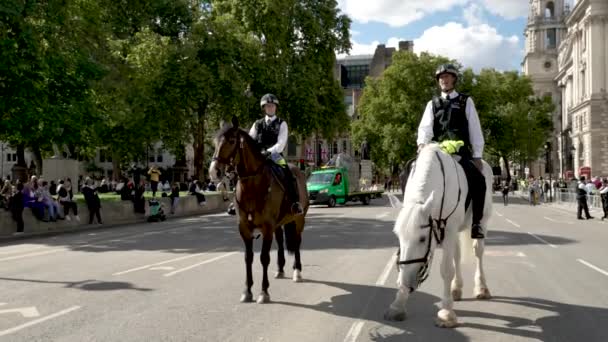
(271, 134)
(452, 118)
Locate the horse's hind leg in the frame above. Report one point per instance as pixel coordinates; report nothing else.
(264, 297)
(457, 281)
(481, 288)
(278, 233)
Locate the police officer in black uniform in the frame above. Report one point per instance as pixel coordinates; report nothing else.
(452, 116)
(581, 199)
(271, 134)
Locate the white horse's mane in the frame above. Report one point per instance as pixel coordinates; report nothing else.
(422, 183)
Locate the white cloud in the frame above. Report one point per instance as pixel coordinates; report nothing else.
(476, 46)
(398, 13)
(473, 15)
(394, 12)
(509, 9)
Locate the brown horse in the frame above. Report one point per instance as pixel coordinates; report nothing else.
(261, 202)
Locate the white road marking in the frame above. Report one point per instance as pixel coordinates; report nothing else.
(356, 327)
(542, 240)
(162, 268)
(198, 264)
(387, 271)
(27, 312)
(497, 213)
(14, 257)
(37, 321)
(557, 221)
(383, 215)
(513, 223)
(592, 266)
(22, 250)
(157, 264)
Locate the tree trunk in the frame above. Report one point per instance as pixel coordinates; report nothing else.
(37, 159)
(199, 143)
(504, 159)
(21, 156)
(115, 166)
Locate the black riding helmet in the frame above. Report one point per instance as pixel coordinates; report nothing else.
(268, 98)
(446, 69)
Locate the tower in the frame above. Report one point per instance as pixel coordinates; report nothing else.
(544, 32)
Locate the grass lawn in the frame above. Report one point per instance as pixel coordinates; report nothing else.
(112, 196)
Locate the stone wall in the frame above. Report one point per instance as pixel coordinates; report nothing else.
(112, 213)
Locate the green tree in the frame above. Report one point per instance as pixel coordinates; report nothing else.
(391, 107)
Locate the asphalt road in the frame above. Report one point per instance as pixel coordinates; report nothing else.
(181, 281)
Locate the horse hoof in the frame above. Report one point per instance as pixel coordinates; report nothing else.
(483, 293)
(263, 298)
(456, 294)
(394, 315)
(297, 276)
(446, 319)
(246, 298)
(279, 275)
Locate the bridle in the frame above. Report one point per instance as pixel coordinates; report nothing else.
(230, 159)
(436, 230)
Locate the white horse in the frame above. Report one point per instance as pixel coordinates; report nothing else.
(433, 215)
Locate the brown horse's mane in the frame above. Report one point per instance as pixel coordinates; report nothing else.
(250, 141)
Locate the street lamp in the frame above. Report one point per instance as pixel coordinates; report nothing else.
(548, 168)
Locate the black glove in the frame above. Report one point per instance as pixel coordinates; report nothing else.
(266, 154)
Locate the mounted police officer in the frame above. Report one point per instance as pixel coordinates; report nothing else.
(271, 134)
(453, 117)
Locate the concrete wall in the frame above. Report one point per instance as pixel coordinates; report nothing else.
(112, 213)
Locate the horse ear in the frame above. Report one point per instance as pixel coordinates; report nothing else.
(235, 122)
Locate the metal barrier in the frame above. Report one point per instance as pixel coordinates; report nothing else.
(567, 196)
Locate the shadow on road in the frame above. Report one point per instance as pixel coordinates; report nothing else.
(86, 285)
(561, 322)
(565, 322)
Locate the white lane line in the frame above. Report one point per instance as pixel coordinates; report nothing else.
(355, 329)
(14, 257)
(497, 213)
(24, 250)
(387, 271)
(157, 264)
(542, 240)
(592, 266)
(557, 221)
(37, 321)
(199, 264)
(383, 215)
(513, 223)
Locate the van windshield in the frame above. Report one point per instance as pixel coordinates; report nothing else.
(321, 178)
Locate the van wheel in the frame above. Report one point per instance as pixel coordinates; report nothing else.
(332, 202)
(365, 200)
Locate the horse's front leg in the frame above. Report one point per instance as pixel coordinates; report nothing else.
(247, 296)
(278, 233)
(396, 311)
(446, 317)
(264, 297)
(481, 288)
(457, 281)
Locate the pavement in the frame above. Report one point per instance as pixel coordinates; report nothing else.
(181, 280)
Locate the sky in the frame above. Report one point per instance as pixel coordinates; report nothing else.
(477, 33)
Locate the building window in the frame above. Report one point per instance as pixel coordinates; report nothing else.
(550, 10)
(356, 75)
(9, 157)
(550, 39)
(159, 158)
(335, 148)
(344, 146)
(583, 81)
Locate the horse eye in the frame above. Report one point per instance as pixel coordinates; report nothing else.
(422, 239)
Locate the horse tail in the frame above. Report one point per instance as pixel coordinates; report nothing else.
(292, 237)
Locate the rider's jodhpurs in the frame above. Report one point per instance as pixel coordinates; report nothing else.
(291, 190)
(477, 187)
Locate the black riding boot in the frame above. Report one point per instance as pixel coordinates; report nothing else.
(477, 188)
(292, 192)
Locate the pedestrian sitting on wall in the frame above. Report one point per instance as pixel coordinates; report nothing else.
(64, 199)
(196, 190)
